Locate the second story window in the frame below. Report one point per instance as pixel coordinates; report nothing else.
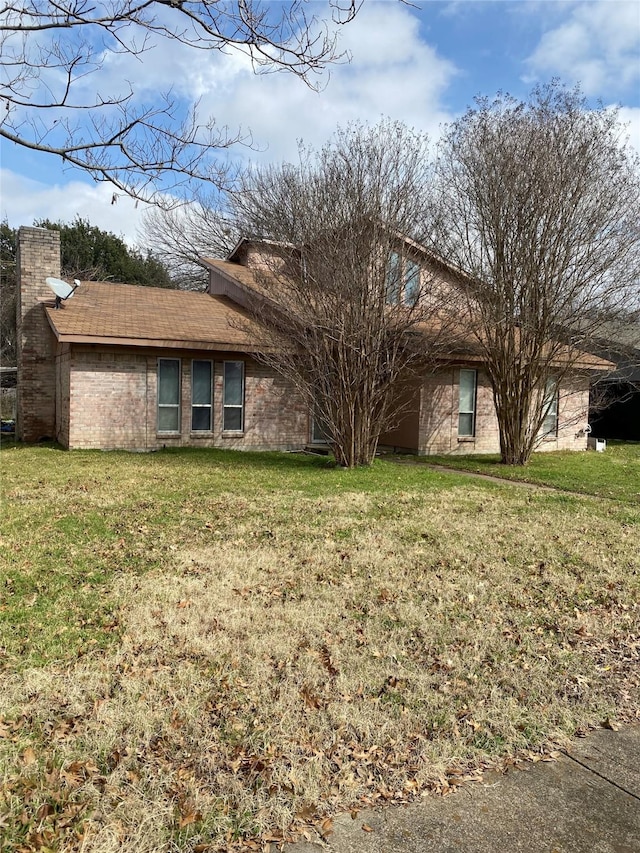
(402, 280)
(411, 282)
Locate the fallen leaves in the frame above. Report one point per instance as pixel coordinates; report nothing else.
(268, 682)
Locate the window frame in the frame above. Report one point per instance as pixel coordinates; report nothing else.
(402, 279)
(551, 406)
(201, 406)
(412, 273)
(176, 406)
(466, 412)
(227, 406)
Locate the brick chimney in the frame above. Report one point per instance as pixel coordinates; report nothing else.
(38, 257)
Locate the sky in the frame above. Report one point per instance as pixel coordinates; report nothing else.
(422, 63)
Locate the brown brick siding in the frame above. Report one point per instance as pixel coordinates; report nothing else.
(38, 257)
(438, 429)
(113, 396)
(63, 390)
(106, 399)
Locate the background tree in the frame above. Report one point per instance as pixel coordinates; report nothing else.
(49, 51)
(538, 202)
(91, 254)
(180, 237)
(87, 253)
(8, 343)
(345, 315)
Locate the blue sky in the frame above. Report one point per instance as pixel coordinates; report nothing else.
(421, 63)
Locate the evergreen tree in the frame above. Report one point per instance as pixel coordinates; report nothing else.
(87, 253)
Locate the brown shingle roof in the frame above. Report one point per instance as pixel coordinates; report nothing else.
(104, 312)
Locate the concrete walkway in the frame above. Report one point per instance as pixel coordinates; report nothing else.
(445, 469)
(586, 802)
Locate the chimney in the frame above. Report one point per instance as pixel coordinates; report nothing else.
(38, 257)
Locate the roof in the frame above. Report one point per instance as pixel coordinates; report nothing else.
(245, 276)
(131, 315)
(125, 314)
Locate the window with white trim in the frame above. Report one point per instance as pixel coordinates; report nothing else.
(550, 423)
(233, 396)
(168, 395)
(402, 280)
(201, 395)
(467, 403)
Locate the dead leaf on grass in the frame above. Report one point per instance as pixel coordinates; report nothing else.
(326, 827)
(29, 756)
(310, 699)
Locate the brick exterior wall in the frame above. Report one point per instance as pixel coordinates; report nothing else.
(113, 403)
(38, 257)
(107, 399)
(573, 416)
(63, 391)
(438, 422)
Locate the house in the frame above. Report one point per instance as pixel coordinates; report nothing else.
(125, 367)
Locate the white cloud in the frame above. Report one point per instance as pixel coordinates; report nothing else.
(630, 116)
(597, 45)
(25, 200)
(393, 72)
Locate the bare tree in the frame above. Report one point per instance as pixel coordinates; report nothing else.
(180, 237)
(49, 50)
(349, 309)
(538, 202)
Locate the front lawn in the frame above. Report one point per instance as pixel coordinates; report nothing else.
(615, 473)
(202, 650)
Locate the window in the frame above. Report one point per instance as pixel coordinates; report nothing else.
(403, 280)
(320, 433)
(467, 403)
(168, 395)
(393, 278)
(550, 422)
(201, 395)
(411, 282)
(233, 396)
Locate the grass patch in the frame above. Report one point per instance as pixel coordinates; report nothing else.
(203, 650)
(614, 474)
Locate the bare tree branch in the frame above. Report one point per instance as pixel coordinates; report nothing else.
(49, 49)
(349, 309)
(181, 237)
(539, 203)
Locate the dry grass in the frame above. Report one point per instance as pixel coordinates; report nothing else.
(293, 655)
